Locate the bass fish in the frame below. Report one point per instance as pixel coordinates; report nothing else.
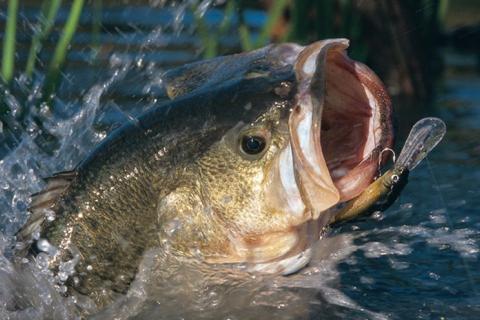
(252, 158)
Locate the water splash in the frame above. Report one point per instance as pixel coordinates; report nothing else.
(362, 271)
(187, 289)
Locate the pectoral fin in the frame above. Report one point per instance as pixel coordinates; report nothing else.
(44, 201)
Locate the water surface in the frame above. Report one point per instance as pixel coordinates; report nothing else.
(417, 260)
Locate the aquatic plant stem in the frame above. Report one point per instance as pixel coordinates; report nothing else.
(274, 14)
(245, 38)
(442, 11)
(62, 46)
(47, 20)
(8, 57)
(96, 25)
(211, 40)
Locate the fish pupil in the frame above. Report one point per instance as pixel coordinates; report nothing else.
(253, 144)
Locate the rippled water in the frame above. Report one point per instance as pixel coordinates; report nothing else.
(419, 259)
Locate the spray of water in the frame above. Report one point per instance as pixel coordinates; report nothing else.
(326, 287)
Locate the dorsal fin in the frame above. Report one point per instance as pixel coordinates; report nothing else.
(215, 72)
(44, 201)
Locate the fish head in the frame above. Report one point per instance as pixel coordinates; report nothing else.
(263, 193)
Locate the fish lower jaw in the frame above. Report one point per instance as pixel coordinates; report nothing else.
(273, 253)
(285, 266)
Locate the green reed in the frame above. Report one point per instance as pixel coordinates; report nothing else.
(97, 7)
(49, 10)
(8, 57)
(330, 18)
(273, 16)
(210, 39)
(46, 23)
(61, 49)
(13, 124)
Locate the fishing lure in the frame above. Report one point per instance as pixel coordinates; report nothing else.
(423, 137)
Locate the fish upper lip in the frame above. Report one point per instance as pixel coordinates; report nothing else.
(351, 124)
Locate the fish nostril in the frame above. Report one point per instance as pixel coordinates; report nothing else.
(283, 90)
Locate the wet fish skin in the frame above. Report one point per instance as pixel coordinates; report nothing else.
(178, 178)
(109, 212)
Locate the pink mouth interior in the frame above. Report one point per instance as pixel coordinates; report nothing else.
(351, 127)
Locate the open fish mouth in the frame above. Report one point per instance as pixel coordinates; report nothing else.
(339, 125)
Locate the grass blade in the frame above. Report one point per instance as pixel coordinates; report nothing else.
(8, 58)
(47, 20)
(96, 25)
(245, 38)
(274, 14)
(62, 46)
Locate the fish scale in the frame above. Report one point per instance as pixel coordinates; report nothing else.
(180, 177)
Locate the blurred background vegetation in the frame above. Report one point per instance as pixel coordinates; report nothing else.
(53, 51)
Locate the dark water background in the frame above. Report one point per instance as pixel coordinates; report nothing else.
(417, 260)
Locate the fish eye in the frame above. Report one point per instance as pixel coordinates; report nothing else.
(252, 145)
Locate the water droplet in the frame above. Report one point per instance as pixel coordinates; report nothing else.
(248, 106)
(50, 215)
(406, 206)
(433, 275)
(45, 246)
(172, 226)
(378, 215)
